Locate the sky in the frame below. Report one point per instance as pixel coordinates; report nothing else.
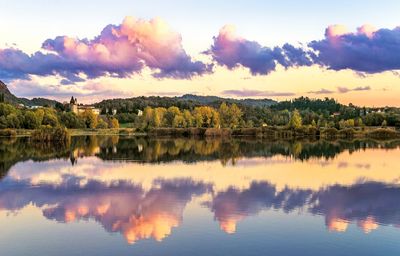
(348, 50)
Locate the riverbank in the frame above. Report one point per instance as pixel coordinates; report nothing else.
(263, 132)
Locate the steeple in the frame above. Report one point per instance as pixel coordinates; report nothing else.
(73, 101)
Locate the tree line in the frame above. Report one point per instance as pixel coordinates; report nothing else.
(226, 116)
(319, 113)
(16, 118)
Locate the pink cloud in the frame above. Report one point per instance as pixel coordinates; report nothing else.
(119, 50)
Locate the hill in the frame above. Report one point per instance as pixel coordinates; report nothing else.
(11, 98)
(8, 96)
(210, 100)
(187, 101)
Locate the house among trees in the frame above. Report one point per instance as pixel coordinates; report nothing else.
(78, 109)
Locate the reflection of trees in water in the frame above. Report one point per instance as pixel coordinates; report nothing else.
(230, 150)
(188, 150)
(22, 149)
(368, 204)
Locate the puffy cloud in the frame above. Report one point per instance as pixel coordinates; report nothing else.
(231, 50)
(119, 50)
(368, 50)
(255, 93)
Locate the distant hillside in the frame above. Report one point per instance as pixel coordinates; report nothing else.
(11, 98)
(8, 96)
(187, 101)
(206, 100)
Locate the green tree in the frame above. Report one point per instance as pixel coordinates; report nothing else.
(71, 120)
(31, 121)
(13, 121)
(40, 115)
(50, 119)
(295, 120)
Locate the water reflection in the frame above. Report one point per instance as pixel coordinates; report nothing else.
(369, 204)
(140, 188)
(119, 206)
(185, 150)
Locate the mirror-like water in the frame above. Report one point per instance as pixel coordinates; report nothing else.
(137, 196)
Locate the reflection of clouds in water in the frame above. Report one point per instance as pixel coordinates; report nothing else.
(120, 206)
(368, 204)
(233, 205)
(124, 207)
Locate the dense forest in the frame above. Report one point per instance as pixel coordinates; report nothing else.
(316, 112)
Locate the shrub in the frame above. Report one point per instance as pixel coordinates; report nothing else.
(8, 133)
(197, 131)
(247, 132)
(215, 132)
(347, 133)
(101, 124)
(329, 132)
(49, 134)
(383, 133)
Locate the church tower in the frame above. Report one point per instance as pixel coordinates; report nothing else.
(73, 105)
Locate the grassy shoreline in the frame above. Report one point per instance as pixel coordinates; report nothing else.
(265, 132)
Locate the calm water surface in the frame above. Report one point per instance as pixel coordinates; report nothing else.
(137, 196)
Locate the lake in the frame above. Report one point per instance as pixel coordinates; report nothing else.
(143, 196)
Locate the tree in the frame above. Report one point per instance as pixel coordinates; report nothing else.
(71, 120)
(235, 115)
(349, 123)
(342, 124)
(1, 97)
(358, 122)
(206, 117)
(224, 115)
(13, 121)
(89, 118)
(313, 123)
(40, 114)
(158, 117)
(229, 116)
(170, 115)
(295, 120)
(114, 123)
(384, 123)
(179, 121)
(188, 118)
(101, 124)
(31, 121)
(147, 117)
(50, 119)
(156, 120)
